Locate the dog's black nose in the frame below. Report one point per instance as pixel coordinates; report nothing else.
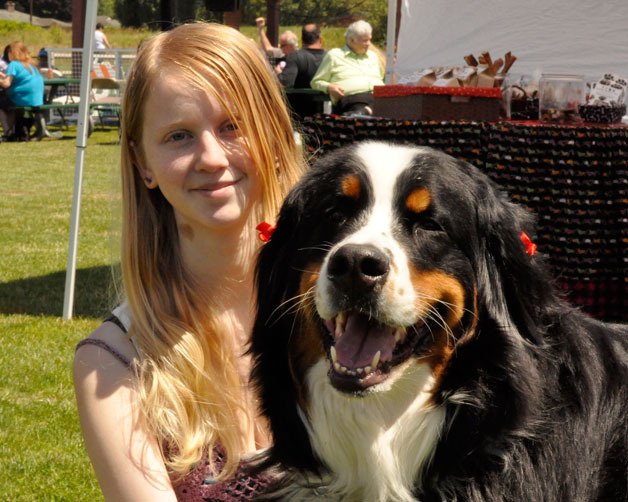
(358, 268)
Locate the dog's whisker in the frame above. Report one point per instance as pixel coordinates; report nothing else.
(293, 303)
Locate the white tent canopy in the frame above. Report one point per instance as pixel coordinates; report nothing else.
(547, 36)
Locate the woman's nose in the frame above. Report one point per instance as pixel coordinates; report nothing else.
(213, 154)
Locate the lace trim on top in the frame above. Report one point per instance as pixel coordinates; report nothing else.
(104, 345)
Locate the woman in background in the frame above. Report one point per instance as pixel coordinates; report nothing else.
(23, 83)
(208, 152)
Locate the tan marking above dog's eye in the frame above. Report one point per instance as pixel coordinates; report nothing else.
(418, 200)
(351, 186)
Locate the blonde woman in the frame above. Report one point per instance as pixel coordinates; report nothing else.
(23, 83)
(208, 152)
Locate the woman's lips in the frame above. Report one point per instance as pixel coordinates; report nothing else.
(215, 188)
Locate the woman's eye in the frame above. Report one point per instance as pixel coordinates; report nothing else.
(229, 127)
(178, 136)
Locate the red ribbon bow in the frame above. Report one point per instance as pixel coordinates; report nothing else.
(528, 244)
(265, 230)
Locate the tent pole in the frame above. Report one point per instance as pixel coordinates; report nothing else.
(81, 145)
(391, 37)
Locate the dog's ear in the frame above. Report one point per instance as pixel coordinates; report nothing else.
(513, 284)
(277, 277)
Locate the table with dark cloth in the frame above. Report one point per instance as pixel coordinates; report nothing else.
(572, 177)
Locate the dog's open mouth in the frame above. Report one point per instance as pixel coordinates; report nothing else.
(362, 351)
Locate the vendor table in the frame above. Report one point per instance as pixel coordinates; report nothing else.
(574, 178)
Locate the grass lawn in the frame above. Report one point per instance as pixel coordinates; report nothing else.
(41, 452)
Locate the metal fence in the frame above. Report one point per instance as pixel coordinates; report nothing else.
(69, 60)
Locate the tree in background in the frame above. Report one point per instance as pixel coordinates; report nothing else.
(150, 13)
(56, 9)
(137, 13)
(325, 13)
(107, 8)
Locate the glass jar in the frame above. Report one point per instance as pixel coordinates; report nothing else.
(560, 96)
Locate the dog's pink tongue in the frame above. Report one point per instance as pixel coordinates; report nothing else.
(361, 340)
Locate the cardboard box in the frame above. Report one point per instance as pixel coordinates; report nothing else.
(437, 103)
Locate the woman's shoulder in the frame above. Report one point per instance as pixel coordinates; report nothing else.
(13, 67)
(107, 343)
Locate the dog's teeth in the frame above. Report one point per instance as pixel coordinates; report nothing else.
(360, 371)
(351, 372)
(332, 353)
(397, 336)
(367, 370)
(337, 366)
(343, 369)
(376, 357)
(341, 321)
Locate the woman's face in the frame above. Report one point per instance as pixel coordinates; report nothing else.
(194, 154)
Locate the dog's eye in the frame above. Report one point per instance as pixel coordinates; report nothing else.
(424, 222)
(430, 225)
(342, 209)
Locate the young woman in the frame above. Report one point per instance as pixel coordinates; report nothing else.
(208, 152)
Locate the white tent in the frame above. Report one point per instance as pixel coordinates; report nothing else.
(81, 145)
(547, 36)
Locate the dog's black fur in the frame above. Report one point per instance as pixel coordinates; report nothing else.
(534, 393)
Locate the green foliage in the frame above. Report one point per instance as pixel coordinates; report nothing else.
(56, 9)
(325, 12)
(137, 13)
(42, 456)
(107, 8)
(36, 37)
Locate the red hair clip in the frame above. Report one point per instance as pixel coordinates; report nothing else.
(528, 244)
(265, 231)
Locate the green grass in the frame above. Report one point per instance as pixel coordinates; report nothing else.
(36, 37)
(41, 452)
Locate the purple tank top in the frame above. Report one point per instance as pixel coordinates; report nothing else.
(200, 485)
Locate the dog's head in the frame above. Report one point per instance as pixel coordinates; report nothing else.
(384, 257)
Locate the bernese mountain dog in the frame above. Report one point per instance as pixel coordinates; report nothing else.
(409, 344)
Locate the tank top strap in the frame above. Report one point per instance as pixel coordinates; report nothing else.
(105, 346)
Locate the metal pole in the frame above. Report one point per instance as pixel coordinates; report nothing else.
(81, 145)
(391, 37)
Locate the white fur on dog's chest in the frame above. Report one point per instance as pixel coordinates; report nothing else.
(375, 445)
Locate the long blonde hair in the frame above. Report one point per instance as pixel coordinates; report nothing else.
(191, 392)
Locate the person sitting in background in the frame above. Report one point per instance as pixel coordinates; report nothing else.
(301, 65)
(162, 387)
(348, 74)
(4, 60)
(288, 43)
(45, 68)
(24, 86)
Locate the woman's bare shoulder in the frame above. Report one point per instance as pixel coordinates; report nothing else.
(105, 355)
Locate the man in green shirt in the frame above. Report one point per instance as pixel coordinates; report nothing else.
(348, 74)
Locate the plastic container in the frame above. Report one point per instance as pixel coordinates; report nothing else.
(560, 97)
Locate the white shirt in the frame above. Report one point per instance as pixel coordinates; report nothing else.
(99, 40)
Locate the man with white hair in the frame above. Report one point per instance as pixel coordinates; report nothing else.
(288, 43)
(348, 74)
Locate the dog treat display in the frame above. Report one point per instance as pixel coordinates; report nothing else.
(560, 96)
(606, 100)
(482, 71)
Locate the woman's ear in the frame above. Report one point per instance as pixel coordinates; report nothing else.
(138, 162)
